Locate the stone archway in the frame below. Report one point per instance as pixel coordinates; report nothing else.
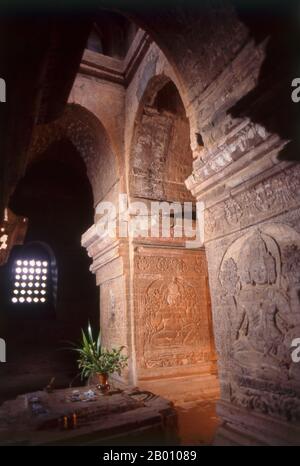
(83, 129)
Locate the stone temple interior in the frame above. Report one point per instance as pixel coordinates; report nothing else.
(124, 106)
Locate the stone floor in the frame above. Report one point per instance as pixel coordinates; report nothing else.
(197, 422)
(194, 398)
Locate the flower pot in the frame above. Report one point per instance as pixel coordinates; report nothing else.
(103, 384)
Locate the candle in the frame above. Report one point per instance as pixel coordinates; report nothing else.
(74, 417)
(65, 421)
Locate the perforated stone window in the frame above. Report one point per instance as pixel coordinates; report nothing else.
(30, 281)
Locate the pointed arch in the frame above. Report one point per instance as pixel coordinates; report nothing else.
(90, 138)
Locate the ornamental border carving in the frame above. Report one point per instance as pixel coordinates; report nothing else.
(263, 200)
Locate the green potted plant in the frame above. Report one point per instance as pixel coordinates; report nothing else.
(95, 360)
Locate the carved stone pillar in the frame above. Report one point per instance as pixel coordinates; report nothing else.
(154, 300)
(244, 174)
(111, 267)
(252, 241)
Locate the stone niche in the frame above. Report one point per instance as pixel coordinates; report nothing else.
(162, 158)
(173, 329)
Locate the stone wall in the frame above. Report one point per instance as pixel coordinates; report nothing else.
(230, 82)
(254, 282)
(160, 173)
(87, 134)
(251, 238)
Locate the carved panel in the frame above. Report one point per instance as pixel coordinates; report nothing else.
(263, 200)
(161, 157)
(260, 283)
(172, 307)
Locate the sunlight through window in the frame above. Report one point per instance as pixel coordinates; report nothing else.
(33, 281)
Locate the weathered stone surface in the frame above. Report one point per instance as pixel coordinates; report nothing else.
(261, 201)
(161, 158)
(91, 140)
(256, 316)
(172, 313)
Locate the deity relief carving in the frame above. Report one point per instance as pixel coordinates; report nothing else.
(200, 265)
(260, 294)
(291, 265)
(173, 322)
(172, 317)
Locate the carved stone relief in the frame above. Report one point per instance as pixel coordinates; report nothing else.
(173, 327)
(263, 200)
(259, 295)
(161, 158)
(242, 139)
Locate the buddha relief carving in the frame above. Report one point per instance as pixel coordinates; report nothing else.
(261, 299)
(174, 321)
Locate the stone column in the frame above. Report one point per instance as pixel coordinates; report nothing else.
(154, 300)
(111, 267)
(252, 241)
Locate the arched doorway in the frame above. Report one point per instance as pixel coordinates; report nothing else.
(50, 293)
(86, 147)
